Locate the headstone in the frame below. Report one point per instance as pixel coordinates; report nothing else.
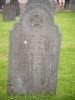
(1, 3)
(9, 12)
(34, 51)
(17, 7)
(72, 5)
(67, 2)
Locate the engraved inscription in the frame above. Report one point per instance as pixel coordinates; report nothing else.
(34, 50)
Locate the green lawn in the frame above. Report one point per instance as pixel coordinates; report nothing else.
(66, 75)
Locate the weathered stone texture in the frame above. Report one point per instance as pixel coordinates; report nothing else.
(34, 51)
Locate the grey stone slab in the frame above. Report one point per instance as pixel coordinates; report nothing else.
(34, 51)
(17, 7)
(9, 12)
(72, 5)
(66, 6)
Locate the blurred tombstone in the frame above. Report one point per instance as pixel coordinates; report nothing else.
(67, 2)
(9, 12)
(34, 51)
(72, 5)
(1, 4)
(17, 7)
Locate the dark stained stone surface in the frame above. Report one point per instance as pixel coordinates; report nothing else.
(9, 12)
(34, 51)
(67, 2)
(17, 7)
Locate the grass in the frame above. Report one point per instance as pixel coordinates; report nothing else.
(66, 75)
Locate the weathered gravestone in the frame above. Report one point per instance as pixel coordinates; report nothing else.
(67, 2)
(9, 12)
(34, 51)
(17, 7)
(72, 5)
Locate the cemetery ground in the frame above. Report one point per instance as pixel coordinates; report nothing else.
(66, 73)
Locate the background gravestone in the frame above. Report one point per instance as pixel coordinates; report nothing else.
(2, 2)
(34, 51)
(17, 7)
(9, 12)
(72, 5)
(67, 2)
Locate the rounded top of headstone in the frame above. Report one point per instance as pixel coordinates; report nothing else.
(50, 4)
(36, 17)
